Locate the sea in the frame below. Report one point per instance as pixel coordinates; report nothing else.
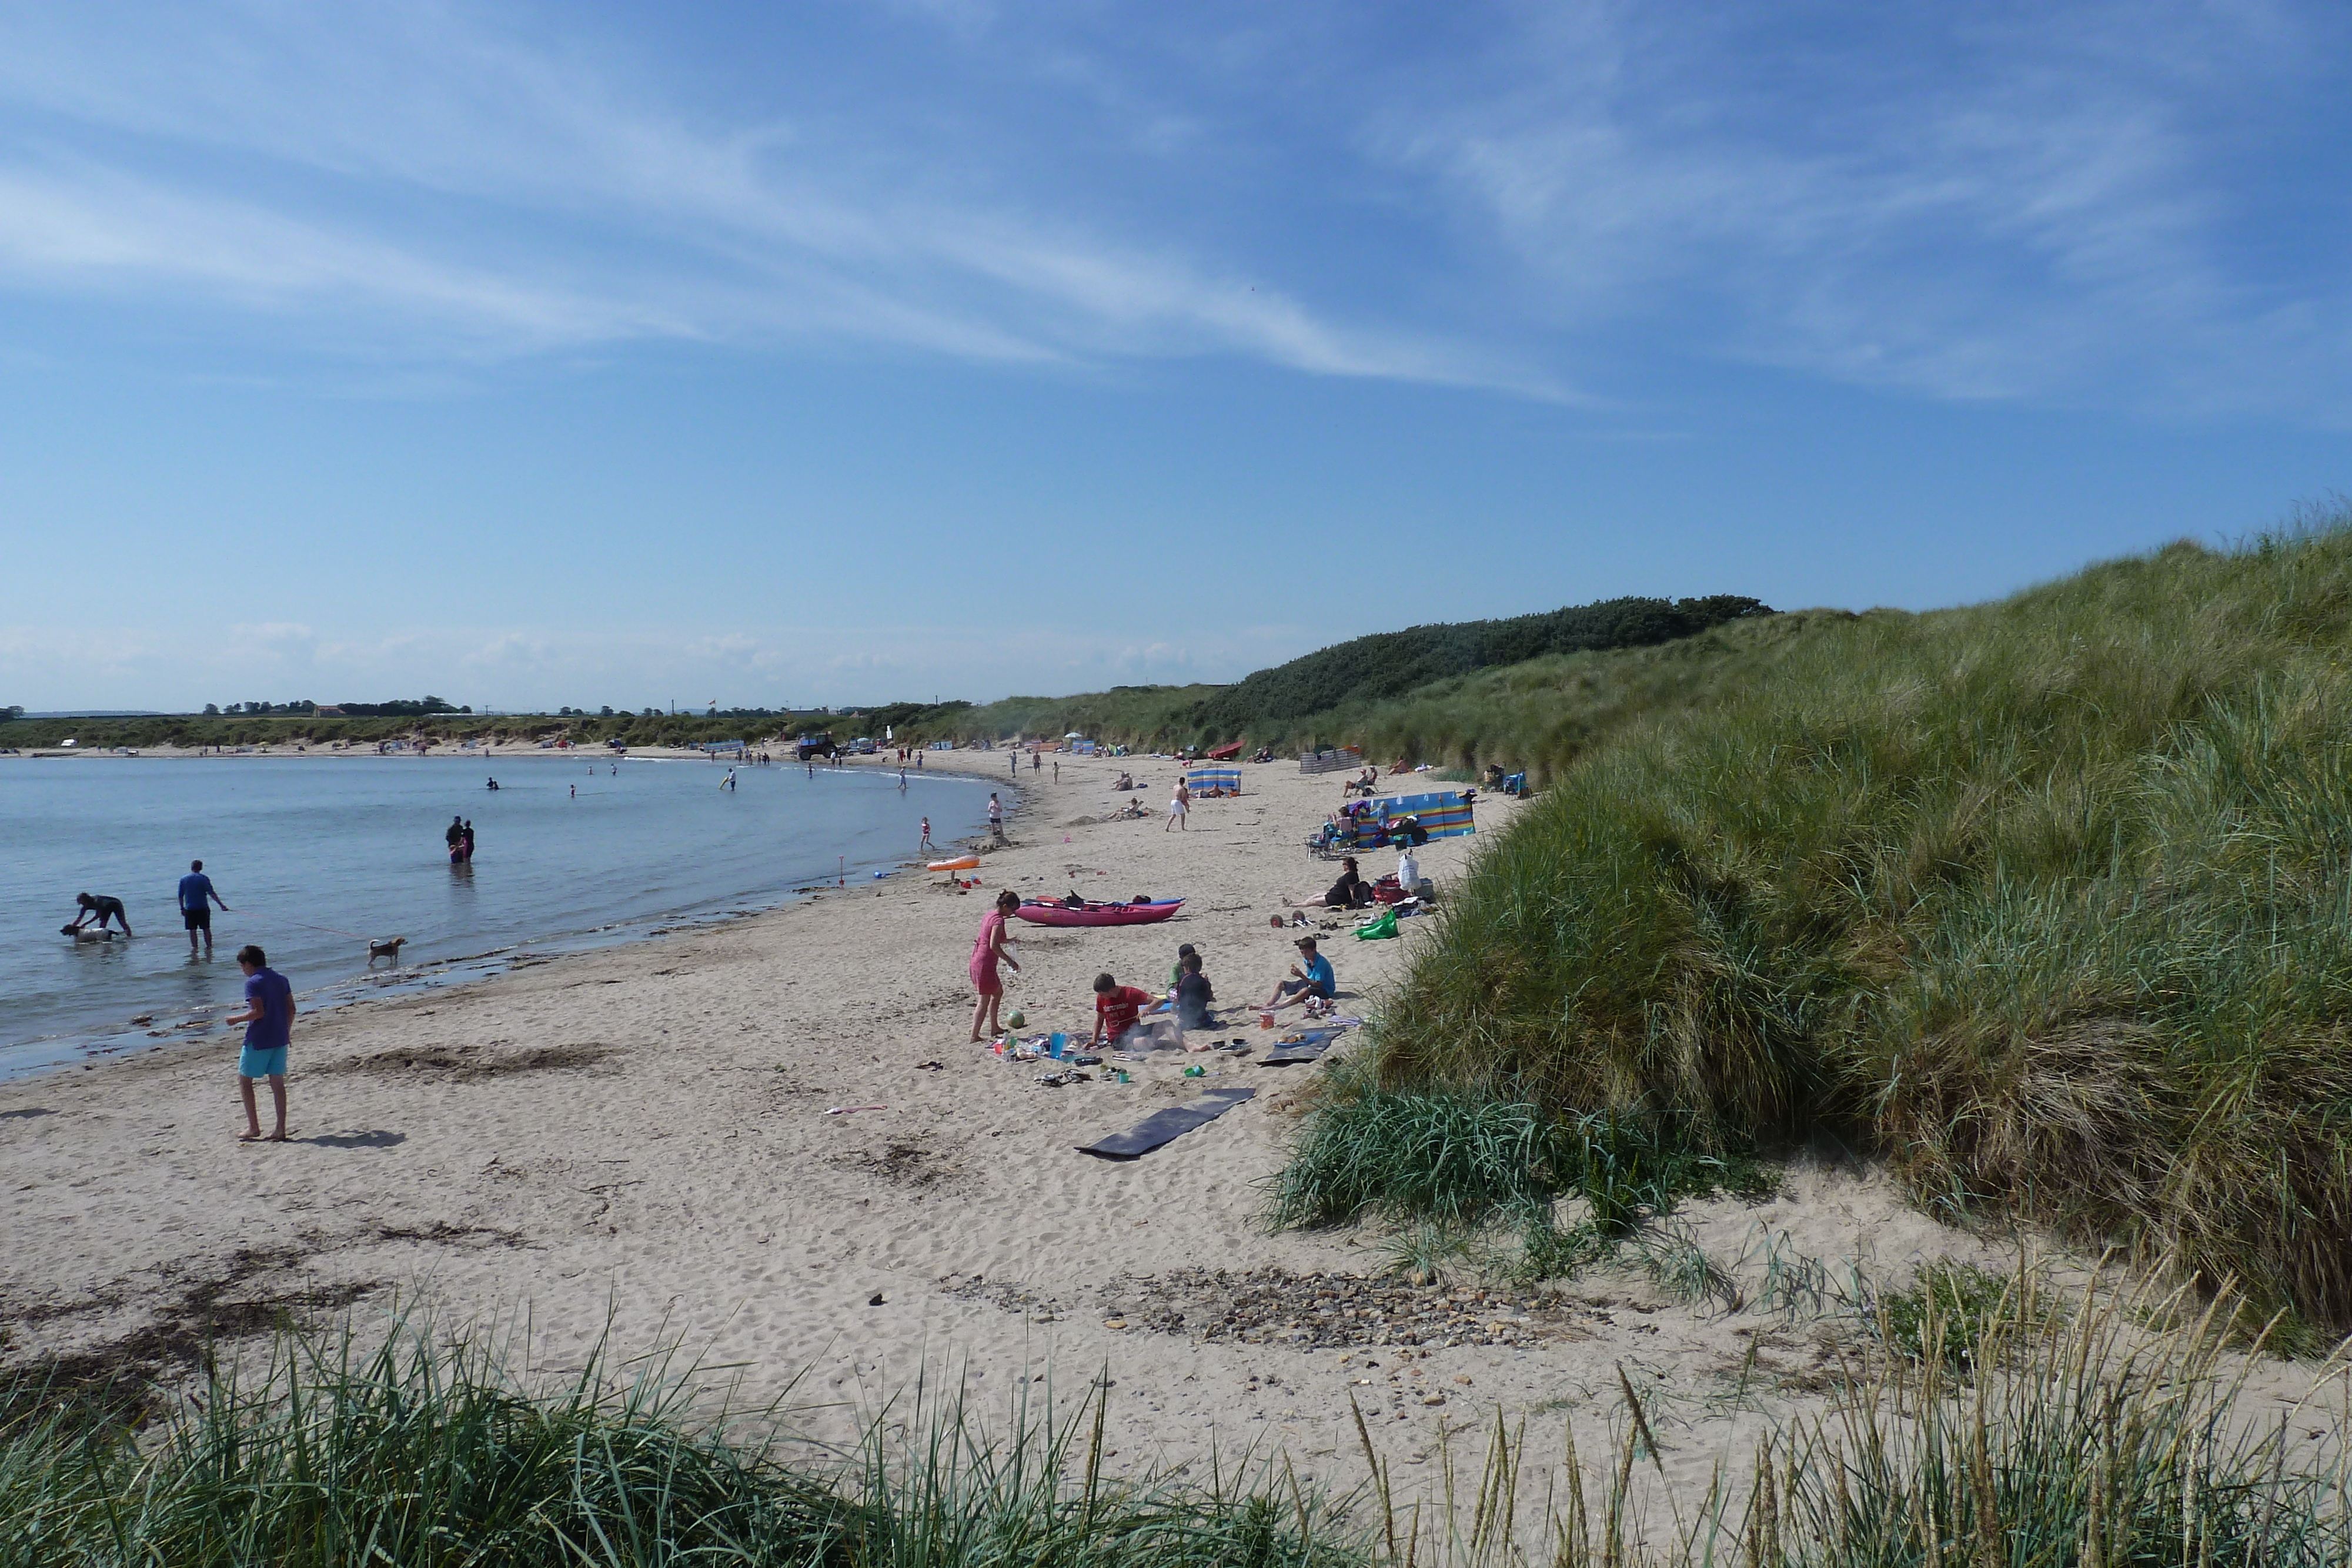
(318, 853)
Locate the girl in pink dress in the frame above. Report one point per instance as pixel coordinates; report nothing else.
(985, 953)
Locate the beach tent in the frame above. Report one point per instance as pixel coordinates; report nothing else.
(1203, 779)
(1447, 815)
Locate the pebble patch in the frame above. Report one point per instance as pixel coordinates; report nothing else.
(1271, 1306)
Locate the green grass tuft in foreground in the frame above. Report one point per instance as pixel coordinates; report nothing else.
(2071, 1437)
(2045, 900)
(424, 1452)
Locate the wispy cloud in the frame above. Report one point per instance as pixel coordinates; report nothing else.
(589, 211)
(2012, 201)
(2040, 201)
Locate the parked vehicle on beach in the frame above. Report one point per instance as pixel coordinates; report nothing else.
(863, 746)
(815, 742)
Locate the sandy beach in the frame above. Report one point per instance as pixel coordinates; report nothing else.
(635, 1143)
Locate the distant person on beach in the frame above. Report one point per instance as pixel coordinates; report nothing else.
(1015, 760)
(1311, 977)
(97, 911)
(988, 951)
(995, 816)
(455, 836)
(466, 844)
(1057, 770)
(268, 1020)
(1116, 1007)
(1178, 805)
(198, 897)
(1183, 953)
(1036, 761)
(728, 782)
(927, 843)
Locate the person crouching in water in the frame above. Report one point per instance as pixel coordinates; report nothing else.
(989, 950)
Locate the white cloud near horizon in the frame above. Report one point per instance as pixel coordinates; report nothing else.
(2014, 203)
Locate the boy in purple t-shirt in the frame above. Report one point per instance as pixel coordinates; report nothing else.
(268, 1020)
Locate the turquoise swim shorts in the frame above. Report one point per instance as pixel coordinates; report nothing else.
(256, 1063)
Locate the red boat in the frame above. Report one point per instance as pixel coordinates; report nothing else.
(1048, 912)
(1225, 753)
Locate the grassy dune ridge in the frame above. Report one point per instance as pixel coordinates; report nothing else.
(2044, 899)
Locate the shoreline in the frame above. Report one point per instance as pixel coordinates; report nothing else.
(440, 976)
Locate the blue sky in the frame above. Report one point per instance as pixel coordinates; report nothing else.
(831, 353)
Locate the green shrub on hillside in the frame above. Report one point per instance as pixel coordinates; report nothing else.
(1389, 664)
(2047, 899)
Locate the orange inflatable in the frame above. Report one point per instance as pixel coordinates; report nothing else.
(961, 862)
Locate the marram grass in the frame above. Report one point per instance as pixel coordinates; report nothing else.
(2045, 900)
(2098, 1430)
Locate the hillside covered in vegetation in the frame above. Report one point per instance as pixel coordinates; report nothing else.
(2044, 900)
(1354, 692)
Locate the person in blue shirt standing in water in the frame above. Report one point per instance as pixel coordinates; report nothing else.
(268, 1020)
(196, 900)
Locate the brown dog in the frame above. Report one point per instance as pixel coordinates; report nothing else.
(387, 949)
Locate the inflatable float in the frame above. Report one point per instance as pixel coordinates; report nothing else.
(1043, 912)
(961, 862)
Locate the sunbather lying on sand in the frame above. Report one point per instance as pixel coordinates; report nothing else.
(1349, 892)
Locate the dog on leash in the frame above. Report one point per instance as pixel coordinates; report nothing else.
(389, 947)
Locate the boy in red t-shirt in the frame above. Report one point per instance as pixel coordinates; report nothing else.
(1116, 1008)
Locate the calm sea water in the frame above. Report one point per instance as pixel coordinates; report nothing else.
(314, 852)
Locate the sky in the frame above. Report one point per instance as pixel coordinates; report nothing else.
(856, 351)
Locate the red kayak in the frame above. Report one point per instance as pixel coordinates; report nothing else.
(1225, 753)
(1045, 912)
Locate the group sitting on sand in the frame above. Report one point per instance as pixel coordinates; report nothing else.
(1128, 1017)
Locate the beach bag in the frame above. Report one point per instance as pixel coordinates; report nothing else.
(1384, 926)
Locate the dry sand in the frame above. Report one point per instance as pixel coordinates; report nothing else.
(635, 1143)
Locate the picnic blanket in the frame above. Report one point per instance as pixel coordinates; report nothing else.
(1203, 779)
(1310, 1044)
(1164, 1126)
(1447, 814)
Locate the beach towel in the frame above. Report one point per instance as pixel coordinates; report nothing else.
(1164, 1126)
(1310, 1044)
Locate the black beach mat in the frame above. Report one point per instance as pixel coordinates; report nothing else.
(1164, 1126)
(1313, 1043)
